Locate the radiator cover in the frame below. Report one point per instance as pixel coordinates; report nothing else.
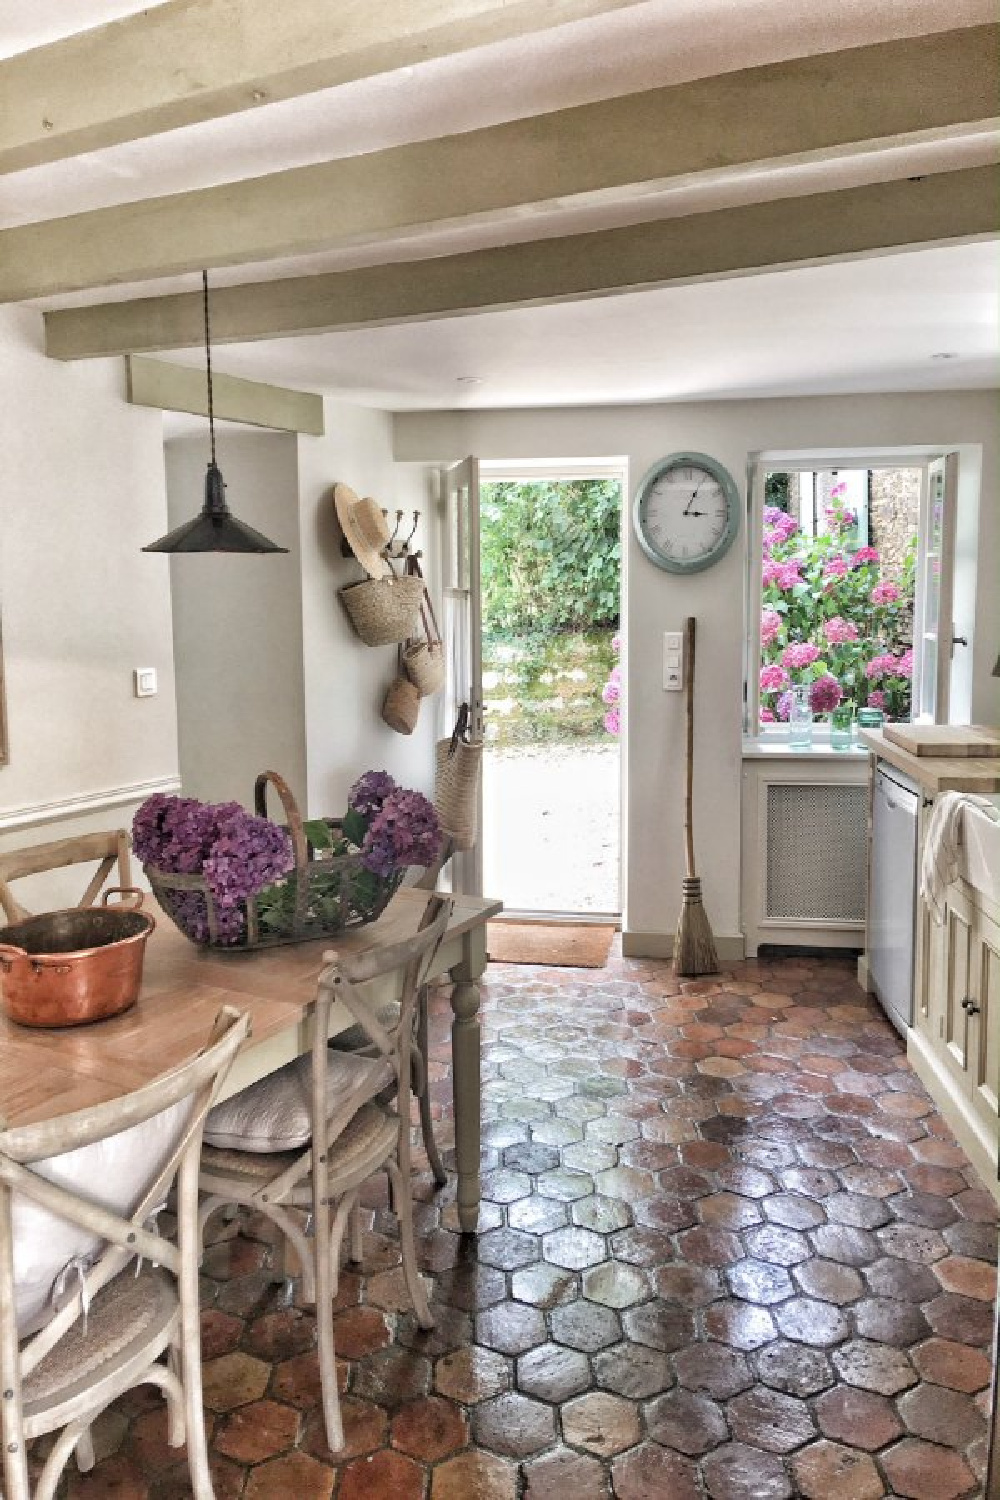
(804, 821)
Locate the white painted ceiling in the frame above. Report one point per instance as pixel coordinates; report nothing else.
(880, 323)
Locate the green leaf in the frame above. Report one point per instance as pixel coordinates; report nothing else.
(317, 831)
(355, 826)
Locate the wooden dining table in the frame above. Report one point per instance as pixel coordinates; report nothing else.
(49, 1072)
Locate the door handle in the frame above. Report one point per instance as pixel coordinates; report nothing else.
(959, 640)
(970, 1007)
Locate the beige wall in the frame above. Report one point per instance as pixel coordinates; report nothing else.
(656, 601)
(81, 606)
(238, 620)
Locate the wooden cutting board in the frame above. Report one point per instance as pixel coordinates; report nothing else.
(944, 739)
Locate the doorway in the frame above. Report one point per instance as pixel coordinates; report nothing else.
(550, 591)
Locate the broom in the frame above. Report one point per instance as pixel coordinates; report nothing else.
(694, 946)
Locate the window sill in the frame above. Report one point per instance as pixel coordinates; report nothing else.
(776, 747)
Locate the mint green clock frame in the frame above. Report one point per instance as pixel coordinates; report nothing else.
(639, 514)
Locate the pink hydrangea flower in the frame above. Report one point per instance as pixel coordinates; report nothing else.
(865, 555)
(773, 678)
(885, 593)
(835, 568)
(616, 644)
(770, 626)
(839, 630)
(824, 694)
(904, 665)
(612, 721)
(610, 693)
(784, 706)
(880, 666)
(788, 574)
(876, 699)
(766, 716)
(771, 572)
(799, 654)
(778, 524)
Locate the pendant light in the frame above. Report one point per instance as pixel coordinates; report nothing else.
(216, 529)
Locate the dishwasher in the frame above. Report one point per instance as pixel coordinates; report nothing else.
(893, 893)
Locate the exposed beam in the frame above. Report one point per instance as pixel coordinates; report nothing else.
(195, 60)
(616, 150)
(951, 206)
(156, 382)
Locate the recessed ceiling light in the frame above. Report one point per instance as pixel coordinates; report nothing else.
(468, 380)
(944, 356)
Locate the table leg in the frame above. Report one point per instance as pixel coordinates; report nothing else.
(466, 1087)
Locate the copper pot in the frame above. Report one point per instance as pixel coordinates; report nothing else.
(67, 967)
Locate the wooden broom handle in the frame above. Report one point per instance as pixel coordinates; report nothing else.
(689, 705)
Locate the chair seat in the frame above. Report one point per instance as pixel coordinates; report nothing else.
(128, 1326)
(361, 1149)
(273, 1115)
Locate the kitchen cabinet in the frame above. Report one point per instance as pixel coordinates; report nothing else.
(955, 1042)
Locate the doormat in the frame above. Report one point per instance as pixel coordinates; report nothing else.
(568, 945)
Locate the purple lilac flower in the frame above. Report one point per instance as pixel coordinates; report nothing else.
(839, 630)
(772, 678)
(770, 625)
(369, 792)
(783, 707)
(404, 831)
(824, 694)
(799, 654)
(885, 593)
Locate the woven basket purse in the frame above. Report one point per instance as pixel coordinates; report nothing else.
(423, 657)
(401, 705)
(384, 611)
(458, 761)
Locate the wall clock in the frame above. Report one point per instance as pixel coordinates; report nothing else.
(686, 512)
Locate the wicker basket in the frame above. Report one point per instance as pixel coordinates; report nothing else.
(324, 894)
(384, 611)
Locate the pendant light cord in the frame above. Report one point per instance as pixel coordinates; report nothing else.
(208, 363)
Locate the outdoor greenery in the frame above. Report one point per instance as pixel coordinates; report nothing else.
(830, 622)
(550, 561)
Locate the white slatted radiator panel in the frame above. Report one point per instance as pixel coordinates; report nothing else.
(815, 853)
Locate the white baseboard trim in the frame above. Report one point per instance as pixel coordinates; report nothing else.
(82, 806)
(661, 945)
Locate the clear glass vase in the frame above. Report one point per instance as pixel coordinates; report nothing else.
(800, 720)
(842, 727)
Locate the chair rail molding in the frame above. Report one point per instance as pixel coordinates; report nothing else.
(36, 813)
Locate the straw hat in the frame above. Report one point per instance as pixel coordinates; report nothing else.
(365, 528)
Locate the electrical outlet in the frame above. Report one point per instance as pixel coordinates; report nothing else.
(144, 681)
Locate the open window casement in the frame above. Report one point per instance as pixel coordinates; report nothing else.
(462, 628)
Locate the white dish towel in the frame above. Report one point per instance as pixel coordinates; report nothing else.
(939, 865)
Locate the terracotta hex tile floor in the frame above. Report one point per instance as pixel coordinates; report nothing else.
(729, 1251)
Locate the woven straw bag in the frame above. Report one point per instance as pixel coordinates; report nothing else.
(384, 611)
(401, 706)
(423, 659)
(458, 761)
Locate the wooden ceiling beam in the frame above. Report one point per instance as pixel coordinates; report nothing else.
(619, 150)
(170, 387)
(938, 209)
(194, 60)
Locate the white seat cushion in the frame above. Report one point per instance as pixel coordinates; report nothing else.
(273, 1114)
(114, 1173)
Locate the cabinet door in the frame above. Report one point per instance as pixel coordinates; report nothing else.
(959, 977)
(984, 1051)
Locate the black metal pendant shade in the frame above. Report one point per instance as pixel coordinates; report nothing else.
(216, 529)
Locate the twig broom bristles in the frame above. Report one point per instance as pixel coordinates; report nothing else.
(694, 946)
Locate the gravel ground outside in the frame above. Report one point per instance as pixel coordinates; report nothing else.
(551, 828)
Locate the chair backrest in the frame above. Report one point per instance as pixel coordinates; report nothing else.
(90, 1182)
(107, 850)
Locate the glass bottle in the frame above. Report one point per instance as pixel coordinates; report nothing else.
(800, 720)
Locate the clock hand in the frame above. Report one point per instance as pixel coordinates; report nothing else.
(687, 511)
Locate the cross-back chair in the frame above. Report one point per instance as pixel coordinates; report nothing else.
(109, 850)
(72, 1343)
(352, 1114)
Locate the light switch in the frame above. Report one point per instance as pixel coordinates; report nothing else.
(145, 682)
(673, 661)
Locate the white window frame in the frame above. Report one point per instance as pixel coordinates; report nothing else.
(811, 461)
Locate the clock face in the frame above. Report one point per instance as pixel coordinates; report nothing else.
(686, 512)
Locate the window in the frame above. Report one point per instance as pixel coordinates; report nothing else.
(843, 556)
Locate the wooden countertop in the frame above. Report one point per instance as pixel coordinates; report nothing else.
(937, 773)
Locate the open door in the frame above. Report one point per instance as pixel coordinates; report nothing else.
(462, 627)
(934, 630)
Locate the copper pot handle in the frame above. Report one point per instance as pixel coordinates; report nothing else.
(134, 896)
(9, 955)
